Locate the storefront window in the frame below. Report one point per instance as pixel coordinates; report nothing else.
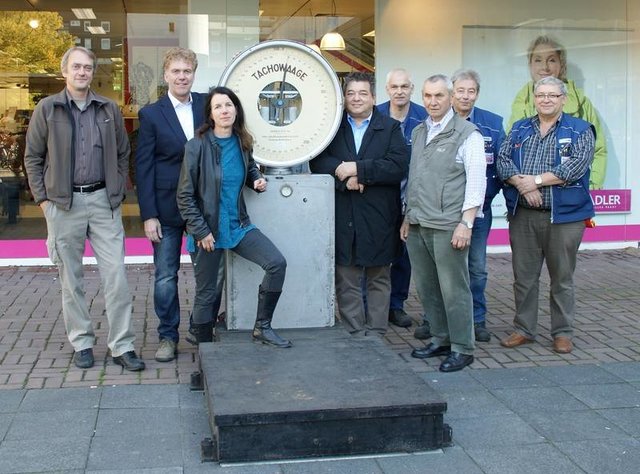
(129, 40)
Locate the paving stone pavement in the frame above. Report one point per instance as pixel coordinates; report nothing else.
(514, 410)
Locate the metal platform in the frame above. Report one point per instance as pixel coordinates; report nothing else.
(329, 395)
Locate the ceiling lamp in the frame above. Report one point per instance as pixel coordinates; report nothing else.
(332, 41)
(84, 13)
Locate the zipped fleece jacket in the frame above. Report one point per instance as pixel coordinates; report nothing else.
(435, 193)
(570, 202)
(50, 154)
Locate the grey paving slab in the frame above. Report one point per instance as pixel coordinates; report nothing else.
(10, 400)
(233, 469)
(598, 456)
(626, 418)
(522, 400)
(454, 381)
(139, 421)
(58, 454)
(154, 470)
(474, 403)
(573, 425)
(195, 420)
(588, 374)
(510, 378)
(449, 460)
(5, 422)
(135, 452)
(190, 399)
(352, 466)
(195, 427)
(50, 424)
(61, 399)
(629, 371)
(190, 444)
(504, 430)
(140, 396)
(615, 395)
(530, 459)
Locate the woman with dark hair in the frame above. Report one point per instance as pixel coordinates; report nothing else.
(217, 163)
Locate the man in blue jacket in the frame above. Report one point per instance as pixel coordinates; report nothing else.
(544, 163)
(165, 127)
(466, 87)
(399, 87)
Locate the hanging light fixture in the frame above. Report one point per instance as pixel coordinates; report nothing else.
(332, 41)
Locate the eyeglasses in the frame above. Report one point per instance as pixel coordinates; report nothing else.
(547, 96)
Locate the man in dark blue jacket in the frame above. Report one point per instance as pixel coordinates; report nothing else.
(544, 163)
(399, 87)
(165, 127)
(466, 87)
(368, 158)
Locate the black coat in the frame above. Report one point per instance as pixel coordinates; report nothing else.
(367, 224)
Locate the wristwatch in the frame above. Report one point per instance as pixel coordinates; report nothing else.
(538, 180)
(467, 224)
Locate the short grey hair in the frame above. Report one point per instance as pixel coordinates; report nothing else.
(466, 74)
(398, 70)
(438, 78)
(551, 81)
(65, 57)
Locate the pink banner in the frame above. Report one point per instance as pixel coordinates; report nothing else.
(611, 200)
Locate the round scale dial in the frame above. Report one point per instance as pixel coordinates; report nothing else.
(291, 97)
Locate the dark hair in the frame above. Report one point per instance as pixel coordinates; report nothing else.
(360, 77)
(239, 126)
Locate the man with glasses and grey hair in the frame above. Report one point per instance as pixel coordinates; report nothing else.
(544, 163)
(77, 160)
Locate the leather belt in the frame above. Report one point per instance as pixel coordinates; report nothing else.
(89, 188)
(537, 209)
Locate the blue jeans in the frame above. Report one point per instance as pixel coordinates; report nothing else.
(400, 279)
(478, 264)
(166, 258)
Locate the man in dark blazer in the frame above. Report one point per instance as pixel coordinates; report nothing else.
(165, 127)
(368, 158)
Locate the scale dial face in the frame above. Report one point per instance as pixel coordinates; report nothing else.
(291, 97)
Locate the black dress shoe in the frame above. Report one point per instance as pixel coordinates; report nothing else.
(455, 362)
(430, 350)
(130, 361)
(83, 359)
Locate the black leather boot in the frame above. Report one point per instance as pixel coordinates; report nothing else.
(262, 331)
(200, 332)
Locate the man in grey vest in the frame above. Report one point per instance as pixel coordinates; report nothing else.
(445, 193)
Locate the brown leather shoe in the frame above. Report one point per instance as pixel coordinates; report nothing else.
(515, 340)
(562, 345)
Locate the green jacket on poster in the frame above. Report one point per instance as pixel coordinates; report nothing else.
(577, 105)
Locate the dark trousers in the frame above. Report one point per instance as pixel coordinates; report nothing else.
(534, 240)
(256, 248)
